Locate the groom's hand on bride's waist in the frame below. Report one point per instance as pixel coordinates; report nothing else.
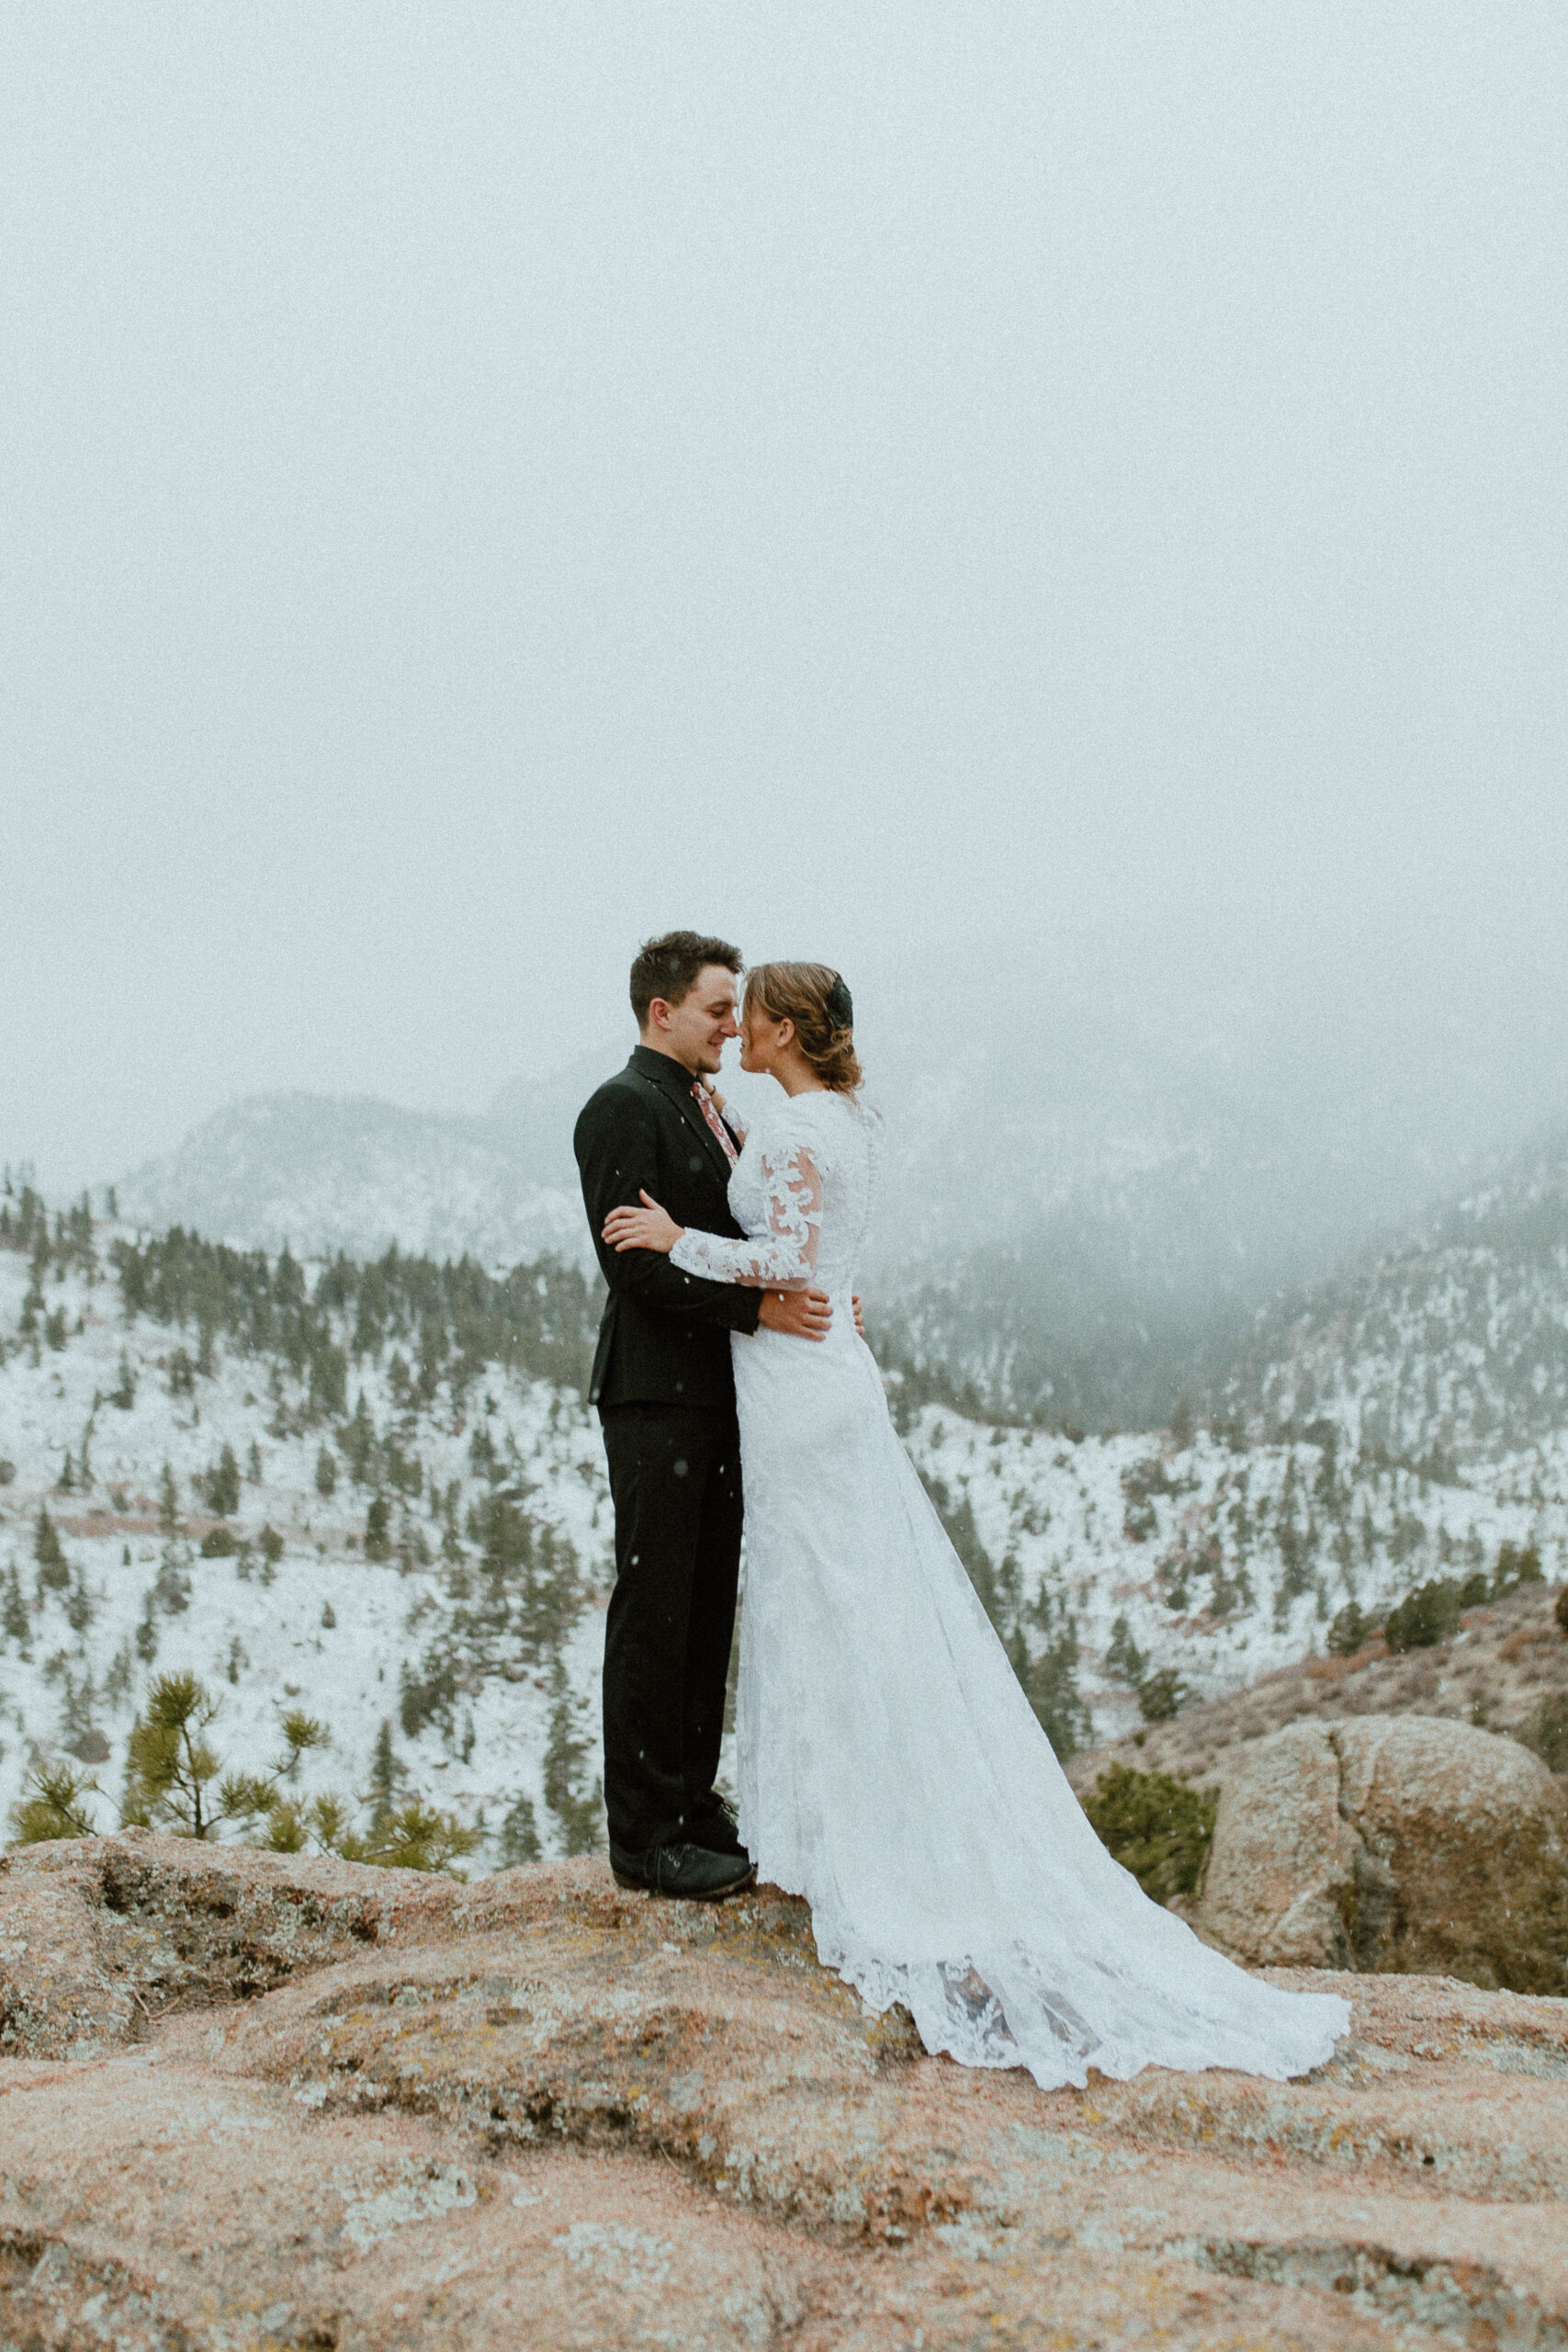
(804, 1314)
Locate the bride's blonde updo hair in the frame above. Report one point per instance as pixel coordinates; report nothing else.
(815, 998)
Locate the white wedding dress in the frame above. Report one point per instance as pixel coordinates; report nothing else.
(891, 1770)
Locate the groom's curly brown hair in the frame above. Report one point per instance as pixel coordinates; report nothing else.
(668, 968)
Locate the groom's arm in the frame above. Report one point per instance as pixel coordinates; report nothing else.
(618, 1159)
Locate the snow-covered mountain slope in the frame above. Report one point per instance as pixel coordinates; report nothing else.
(483, 1675)
(439, 1415)
(1455, 1344)
(319, 1174)
(1110, 1560)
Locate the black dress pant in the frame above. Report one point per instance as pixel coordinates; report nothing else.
(675, 1483)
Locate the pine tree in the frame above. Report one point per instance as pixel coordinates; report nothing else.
(519, 1839)
(387, 1774)
(13, 1608)
(1123, 1657)
(168, 1502)
(254, 1465)
(54, 1570)
(378, 1530)
(1051, 1684)
(326, 1472)
(223, 1484)
(123, 1393)
(54, 1805)
(79, 1609)
(417, 1838)
(579, 1809)
(358, 1442)
(174, 1777)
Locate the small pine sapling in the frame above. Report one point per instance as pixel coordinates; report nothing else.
(54, 1805)
(174, 1777)
(168, 1503)
(415, 1837)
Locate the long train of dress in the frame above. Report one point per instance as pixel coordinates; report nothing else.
(891, 1769)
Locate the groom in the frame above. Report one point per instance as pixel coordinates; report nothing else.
(666, 1397)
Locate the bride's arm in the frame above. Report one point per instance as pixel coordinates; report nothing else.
(785, 1258)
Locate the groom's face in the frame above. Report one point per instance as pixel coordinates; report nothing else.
(703, 1020)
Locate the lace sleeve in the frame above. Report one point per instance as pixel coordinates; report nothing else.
(785, 1256)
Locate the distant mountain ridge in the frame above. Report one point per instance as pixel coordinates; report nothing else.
(1075, 1223)
(324, 1174)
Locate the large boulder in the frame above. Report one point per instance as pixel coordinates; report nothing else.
(1393, 1843)
(1283, 1856)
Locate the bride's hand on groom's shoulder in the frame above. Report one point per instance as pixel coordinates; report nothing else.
(649, 1227)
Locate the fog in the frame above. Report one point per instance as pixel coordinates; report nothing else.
(1045, 508)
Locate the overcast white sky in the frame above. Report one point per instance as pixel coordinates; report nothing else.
(1082, 485)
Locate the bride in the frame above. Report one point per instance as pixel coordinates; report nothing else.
(891, 1769)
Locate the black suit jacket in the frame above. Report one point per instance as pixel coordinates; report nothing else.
(665, 1336)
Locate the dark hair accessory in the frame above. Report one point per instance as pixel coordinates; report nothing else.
(840, 1003)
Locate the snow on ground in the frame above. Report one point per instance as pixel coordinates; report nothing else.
(255, 1634)
(1223, 1562)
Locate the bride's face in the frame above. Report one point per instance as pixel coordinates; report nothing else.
(762, 1040)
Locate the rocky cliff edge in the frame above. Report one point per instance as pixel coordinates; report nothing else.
(249, 2100)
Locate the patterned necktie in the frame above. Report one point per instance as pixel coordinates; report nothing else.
(705, 1104)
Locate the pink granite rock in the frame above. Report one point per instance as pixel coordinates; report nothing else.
(296, 2103)
(1391, 1842)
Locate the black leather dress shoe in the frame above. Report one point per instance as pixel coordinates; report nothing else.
(689, 1873)
(716, 1829)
